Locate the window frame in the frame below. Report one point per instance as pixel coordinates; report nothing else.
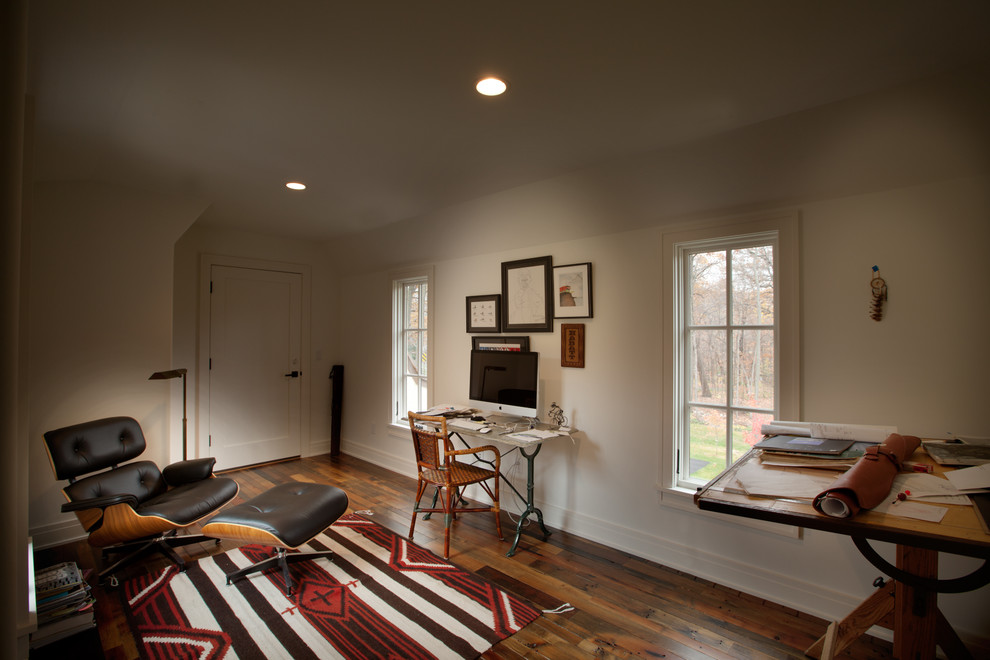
(718, 233)
(399, 281)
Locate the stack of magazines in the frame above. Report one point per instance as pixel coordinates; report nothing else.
(65, 605)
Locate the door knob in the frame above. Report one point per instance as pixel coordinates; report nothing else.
(293, 374)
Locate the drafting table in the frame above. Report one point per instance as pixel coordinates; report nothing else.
(906, 604)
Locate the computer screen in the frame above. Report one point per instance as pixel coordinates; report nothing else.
(505, 381)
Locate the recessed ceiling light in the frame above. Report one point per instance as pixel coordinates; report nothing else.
(490, 86)
(294, 185)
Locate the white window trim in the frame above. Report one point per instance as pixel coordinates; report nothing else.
(787, 290)
(396, 420)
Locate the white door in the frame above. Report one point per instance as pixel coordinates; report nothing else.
(255, 337)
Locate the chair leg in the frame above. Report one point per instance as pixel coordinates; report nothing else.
(495, 507)
(433, 504)
(448, 517)
(162, 544)
(420, 489)
(137, 551)
(498, 519)
(282, 559)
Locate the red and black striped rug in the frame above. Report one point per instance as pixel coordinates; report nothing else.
(379, 597)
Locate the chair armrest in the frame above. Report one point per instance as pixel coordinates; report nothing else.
(186, 472)
(100, 503)
(478, 450)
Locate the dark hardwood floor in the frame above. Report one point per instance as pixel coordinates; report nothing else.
(624, 606)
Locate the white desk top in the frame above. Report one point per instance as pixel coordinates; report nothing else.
(521, 434)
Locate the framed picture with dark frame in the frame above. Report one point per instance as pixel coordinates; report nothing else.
(572, 291)
(500, 343)
(526, 295)
(572, 345)
(484, 313)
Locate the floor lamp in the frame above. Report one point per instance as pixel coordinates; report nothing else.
(168, 375)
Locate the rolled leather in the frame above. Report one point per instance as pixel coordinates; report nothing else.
(868, 482)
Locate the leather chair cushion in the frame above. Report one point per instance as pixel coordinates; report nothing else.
(93, 446)
(188, 503)
(292, 512)
(141, 479)
(189, 471)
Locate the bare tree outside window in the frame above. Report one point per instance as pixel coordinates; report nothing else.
(412, 349)
(729, 341)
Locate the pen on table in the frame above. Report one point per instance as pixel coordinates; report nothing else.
(917, 467)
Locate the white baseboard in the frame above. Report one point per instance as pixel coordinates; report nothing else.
(781, 589)
(318, 447)
(813, 599)
(405, 467)
(48, 536)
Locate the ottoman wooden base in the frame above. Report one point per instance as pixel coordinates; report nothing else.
(284, 517)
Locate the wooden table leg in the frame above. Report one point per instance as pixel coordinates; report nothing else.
(949, 641)
(843, 633)
(915, 610)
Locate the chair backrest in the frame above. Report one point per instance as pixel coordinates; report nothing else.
(93, 446)
(86, 450)
(431, 442)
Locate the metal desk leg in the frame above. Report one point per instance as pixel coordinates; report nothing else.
(530, 507)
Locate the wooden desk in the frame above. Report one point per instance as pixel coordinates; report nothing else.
(906, 604)
(534, 446)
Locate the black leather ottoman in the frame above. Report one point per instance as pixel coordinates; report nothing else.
(284, 517)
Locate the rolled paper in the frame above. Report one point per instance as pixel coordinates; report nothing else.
(868, 482)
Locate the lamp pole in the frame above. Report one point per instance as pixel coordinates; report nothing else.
(167, 375)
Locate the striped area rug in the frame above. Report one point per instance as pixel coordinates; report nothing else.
(379, 597)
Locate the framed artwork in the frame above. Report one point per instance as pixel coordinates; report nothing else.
(572, 345)
(500, 343)
(484, 313)
(572, 291)
(526, 295)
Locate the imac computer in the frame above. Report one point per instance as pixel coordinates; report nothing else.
(505, 383)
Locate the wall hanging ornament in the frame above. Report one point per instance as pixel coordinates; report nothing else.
(879, 288)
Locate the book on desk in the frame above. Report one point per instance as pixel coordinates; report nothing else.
(803, 444)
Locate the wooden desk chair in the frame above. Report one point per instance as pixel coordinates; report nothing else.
(437, 466)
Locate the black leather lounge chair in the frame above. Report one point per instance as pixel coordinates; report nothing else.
(133, 507)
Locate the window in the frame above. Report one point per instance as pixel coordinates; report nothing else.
(411, 344)
(730, 343)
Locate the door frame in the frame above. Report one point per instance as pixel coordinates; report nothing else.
(201, 388)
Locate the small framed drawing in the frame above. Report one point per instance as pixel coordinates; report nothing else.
(500, 343)
(484, 313)
(572, 291)
(572, 345)
(526, 295)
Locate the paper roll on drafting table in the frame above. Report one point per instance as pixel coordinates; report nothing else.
(857, 432)
(867, 483)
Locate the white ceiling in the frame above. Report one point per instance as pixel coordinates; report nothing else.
(372, 105)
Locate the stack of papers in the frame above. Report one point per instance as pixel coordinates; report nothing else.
(840, 462)
(857, 432)
(465, 424)
(65, 605)
(971, 478)
(447, 410)
(532, 435)
(803, 444)
(958, 453)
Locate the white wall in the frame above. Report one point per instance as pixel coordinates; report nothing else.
(100, 322)
(923, 369)
(319, 309)
(898, 181)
